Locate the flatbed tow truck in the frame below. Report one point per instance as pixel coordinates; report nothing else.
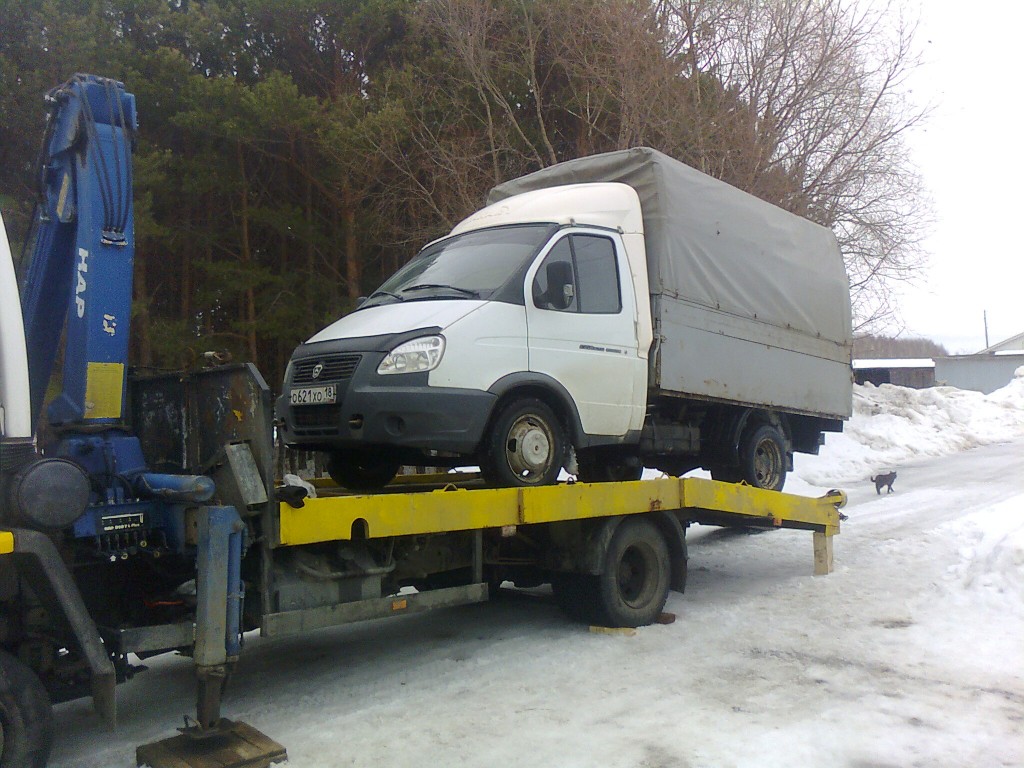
(611, 551)
(154, 522)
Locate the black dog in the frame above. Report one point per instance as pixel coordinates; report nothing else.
(884, 480)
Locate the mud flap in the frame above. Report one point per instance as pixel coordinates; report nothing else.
(229, 745)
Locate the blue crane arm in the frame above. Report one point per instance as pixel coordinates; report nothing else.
(79, 278)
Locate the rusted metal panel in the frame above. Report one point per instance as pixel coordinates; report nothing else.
(186, 423)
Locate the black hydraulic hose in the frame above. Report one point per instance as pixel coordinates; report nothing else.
(103, 172)
(117, 221)
(115, 215)
(127, 139)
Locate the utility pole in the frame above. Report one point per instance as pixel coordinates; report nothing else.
(984, 316)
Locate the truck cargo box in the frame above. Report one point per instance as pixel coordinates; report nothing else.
(750, 303)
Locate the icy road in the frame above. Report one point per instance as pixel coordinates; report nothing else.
(910, 654)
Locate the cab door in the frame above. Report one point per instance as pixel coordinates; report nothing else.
(580, 315)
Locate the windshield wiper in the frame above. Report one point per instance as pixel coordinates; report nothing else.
(427, 286)
(385, 293)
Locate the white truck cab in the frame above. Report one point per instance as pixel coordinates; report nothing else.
(544, 294)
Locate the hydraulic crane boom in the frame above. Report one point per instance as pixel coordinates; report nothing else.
(82, 261)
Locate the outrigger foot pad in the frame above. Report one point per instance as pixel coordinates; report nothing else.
(228, 745)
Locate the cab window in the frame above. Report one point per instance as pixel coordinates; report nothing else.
(579, 274)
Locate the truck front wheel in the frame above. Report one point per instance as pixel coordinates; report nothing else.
(634, 581)
(26, 720)
(525, 446)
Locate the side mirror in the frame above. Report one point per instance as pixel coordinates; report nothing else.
(561, 288)
(360, 300)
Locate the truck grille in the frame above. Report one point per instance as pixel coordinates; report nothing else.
(316, 419)
(335, 367)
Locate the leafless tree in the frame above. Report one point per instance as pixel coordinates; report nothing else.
(800, 102)
(497, 44)
(825, 82)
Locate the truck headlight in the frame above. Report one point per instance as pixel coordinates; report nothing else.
(414, 356)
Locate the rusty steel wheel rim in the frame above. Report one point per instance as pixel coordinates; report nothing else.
(529, 449)
(767, 463)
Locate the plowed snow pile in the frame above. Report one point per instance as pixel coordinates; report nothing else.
(991, 553)
(893, 425)
(896, 426)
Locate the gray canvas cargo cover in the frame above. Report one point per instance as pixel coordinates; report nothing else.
(731, 265)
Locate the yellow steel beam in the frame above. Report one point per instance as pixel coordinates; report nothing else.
(779, 508)
(401, 514)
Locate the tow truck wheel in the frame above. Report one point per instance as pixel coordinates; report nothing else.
(526, 445)
(634, 582)
(763, 458)
(362, 470)
(26, 720)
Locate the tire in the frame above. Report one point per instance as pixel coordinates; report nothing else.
(763, 458)
(362, 470)
(634, 581)
(605, 468)
(525, 445)
(26, 719)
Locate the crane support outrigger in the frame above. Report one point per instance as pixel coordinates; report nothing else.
(102, 556)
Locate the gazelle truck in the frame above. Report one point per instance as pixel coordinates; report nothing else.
(603, 314)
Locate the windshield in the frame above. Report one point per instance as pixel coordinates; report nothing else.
(474, 265)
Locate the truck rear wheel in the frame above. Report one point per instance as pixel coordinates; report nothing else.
(634, 581)
(26, 720)
(362, 470)
(763, 458)
(525, 446)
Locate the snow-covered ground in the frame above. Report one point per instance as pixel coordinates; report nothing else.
(910, 654)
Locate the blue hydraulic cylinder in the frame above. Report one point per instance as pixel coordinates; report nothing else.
(236, 591)
(219, 589)
(175, 488)
(80, 275)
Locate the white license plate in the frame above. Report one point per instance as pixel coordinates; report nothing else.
(324, 395)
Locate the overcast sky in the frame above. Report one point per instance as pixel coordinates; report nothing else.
(970, 155)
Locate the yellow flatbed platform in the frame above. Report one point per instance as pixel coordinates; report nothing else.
(401, 512)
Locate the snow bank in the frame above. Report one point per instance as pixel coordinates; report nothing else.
(991, 565)
(894, 425)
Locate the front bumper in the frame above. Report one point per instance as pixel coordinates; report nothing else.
(398, 411)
